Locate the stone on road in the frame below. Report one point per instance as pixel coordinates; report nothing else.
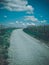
(26, 50)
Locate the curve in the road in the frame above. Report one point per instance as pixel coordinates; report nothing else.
(26, 50)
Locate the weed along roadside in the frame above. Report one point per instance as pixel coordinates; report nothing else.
(4, 45)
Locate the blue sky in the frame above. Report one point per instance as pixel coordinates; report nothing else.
(24, 12)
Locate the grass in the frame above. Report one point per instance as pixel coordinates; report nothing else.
(4, 45)
(38, 32)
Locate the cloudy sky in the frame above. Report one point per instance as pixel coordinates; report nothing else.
(24, 12)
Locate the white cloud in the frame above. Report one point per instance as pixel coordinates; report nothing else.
(44, 21)
(30, 18)
(41, 16)
(5, 16)
(17, 22)
(18, 5)
(11, 23)
(23, 24)
(32, 23)
(28, 23)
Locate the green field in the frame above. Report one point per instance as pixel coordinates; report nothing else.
(39, 32)
(4, 45)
